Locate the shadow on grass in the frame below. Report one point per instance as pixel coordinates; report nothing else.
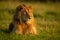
(50, 15)
(10, 11)
(4, 31)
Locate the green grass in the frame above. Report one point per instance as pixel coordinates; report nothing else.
(47, 20)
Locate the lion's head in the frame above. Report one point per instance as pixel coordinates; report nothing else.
(23, 13)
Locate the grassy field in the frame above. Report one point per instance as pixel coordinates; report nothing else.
(47, 21)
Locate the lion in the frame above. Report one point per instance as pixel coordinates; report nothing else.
(23, 21)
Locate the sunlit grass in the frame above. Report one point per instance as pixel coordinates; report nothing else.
(47, 21)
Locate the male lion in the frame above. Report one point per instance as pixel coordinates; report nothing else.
(23, 21)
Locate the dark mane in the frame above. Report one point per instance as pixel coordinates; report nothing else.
(21, 15)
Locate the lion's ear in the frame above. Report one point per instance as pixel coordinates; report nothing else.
(20, 7)
(30, 8)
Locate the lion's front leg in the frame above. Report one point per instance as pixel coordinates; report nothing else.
(33, 30)
(19, 29)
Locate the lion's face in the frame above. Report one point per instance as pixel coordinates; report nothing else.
(23, 14)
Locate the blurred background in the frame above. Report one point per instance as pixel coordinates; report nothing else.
(46, 14)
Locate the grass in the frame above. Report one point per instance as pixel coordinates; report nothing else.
(47, 20)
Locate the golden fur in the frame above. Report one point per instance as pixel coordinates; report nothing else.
(23, 24)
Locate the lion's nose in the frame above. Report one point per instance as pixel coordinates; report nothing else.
(29, 18)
